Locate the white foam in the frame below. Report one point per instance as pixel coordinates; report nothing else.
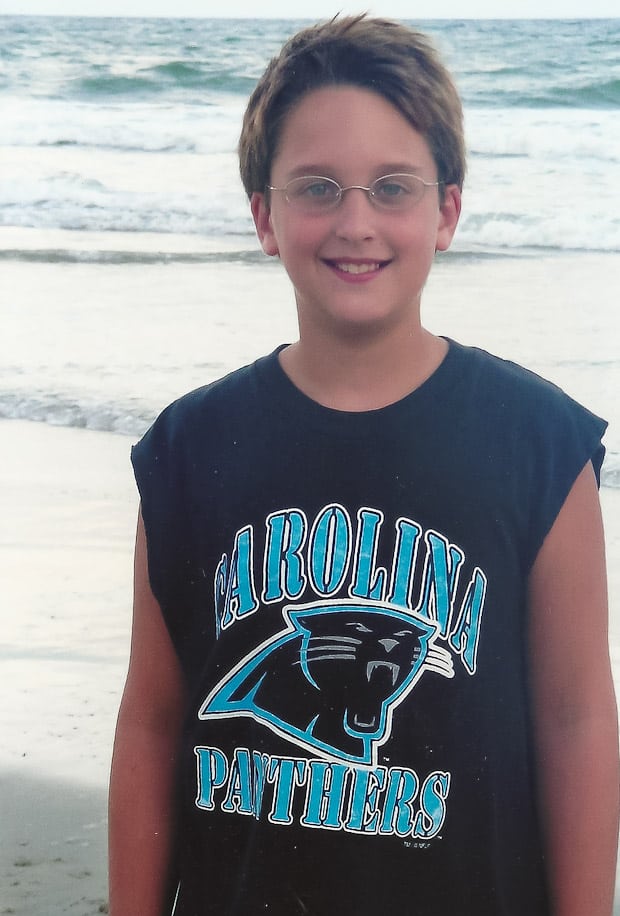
(104, 190)
(124, 126)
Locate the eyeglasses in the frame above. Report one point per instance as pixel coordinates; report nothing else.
(316, 194)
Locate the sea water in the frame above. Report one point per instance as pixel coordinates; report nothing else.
(131, 125)
(117, 148)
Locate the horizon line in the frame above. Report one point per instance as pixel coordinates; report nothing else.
(197, 16)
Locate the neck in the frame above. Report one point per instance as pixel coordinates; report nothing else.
(357, 373)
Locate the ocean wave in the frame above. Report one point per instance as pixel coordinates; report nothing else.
(497, 63)
(190, 74)
(109, 257)
(74, 201)
(178, 71)
(604, 94)
(610, 474)
(121, 125)
(88, 210)
(133, 419)
(464, 249)
(163, 146)
(61, 410)
(107, 85)
(183, 80)
(493, 232)
(162, 79)
(599, 94)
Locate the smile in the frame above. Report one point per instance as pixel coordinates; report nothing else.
(357, 268)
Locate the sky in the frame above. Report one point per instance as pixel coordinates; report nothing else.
(320, 9)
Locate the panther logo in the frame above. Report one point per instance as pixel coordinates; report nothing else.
(331, 680)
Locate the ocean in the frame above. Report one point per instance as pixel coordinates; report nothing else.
(112, 124)
(117, 154)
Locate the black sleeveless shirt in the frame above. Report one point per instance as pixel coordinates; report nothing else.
(346, 595)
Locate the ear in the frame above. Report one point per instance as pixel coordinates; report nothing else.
(262, 221)
(449, 212)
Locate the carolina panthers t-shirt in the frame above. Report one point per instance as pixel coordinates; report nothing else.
(346, 595)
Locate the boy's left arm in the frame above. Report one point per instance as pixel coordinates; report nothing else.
(574, 706)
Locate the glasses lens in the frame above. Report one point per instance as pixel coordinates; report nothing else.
(313, 194)
(397, 192)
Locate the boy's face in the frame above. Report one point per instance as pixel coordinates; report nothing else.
(356, 266)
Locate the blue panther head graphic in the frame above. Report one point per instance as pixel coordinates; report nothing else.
(330, 681)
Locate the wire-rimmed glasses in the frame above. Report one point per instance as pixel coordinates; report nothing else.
(316, 194)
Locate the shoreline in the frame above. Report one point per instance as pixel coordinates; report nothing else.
(164, 328)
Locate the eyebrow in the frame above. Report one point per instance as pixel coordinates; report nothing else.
(386, 168)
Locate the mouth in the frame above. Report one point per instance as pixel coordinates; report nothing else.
(357, 269)
(364, 723)
(392, 668)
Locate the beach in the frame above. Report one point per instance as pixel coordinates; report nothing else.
(130, 274)
(69, 509)
(65, 555)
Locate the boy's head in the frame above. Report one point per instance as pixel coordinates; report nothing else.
(374, 54)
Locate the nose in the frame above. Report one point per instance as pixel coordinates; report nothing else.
(355, 215)
(388, 644)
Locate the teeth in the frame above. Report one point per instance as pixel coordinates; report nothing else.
(349, 268)
(392, 668)
(362, 723)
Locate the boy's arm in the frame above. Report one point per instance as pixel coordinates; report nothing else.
(142, 821)
(574, 707)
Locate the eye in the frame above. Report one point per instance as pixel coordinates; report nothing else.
(404, 633)
(392, 186)
(359, 627)
(314, 189)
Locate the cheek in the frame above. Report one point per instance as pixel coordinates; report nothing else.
(298, 244)
(423, 237)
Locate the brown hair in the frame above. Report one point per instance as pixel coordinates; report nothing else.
(383, 56)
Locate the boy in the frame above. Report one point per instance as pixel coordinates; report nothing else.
(369, 666)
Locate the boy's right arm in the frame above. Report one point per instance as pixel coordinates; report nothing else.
(142, 810)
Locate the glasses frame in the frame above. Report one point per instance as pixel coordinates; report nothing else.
(298, 204)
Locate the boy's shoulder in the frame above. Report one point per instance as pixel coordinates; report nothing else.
(532, 412)
(236, 392)
(494, 397)
(492, 380)
(484, 367)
